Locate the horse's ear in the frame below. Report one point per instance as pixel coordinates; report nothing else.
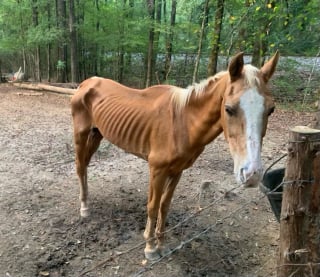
(269, 67)
(236, 66)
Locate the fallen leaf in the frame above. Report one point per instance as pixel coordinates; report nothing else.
(144, 262)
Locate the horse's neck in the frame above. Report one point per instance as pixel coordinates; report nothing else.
(204, 115)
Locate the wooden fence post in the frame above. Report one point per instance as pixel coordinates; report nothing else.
(300, 211)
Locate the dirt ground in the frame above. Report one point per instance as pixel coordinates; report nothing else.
(41, 233)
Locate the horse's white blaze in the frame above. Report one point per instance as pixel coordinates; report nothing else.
(252, 104)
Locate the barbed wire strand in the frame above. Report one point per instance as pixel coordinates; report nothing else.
(309, 264)
(304, 141)
(183, 243)
(263, 267)
(218, 221)
(273, 163)
(120, 253)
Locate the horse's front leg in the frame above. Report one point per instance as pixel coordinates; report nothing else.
(165, 202)
(156, 186)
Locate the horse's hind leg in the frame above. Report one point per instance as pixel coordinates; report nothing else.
(156, 186)
(87, 140)
(165, 202)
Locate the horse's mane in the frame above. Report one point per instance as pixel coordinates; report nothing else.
(181, 96)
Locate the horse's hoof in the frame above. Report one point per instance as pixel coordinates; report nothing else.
(152, 254)
(84, 212)
(164, 251)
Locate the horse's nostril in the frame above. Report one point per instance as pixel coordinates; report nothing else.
(242, 175)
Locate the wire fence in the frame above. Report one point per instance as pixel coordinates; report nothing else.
(182, 244)
(231, 215)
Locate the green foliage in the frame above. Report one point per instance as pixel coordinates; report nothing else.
(110, 30)
(39, 35)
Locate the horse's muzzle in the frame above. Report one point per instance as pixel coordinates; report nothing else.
(250, 178)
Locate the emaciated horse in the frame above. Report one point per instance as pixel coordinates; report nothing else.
(169, 127)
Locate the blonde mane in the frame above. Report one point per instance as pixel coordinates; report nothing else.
(181, 96)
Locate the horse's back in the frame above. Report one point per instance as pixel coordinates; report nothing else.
(96, 89)
(125, 116)
(92, 91)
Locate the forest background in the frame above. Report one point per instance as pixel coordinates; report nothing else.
(145, 42)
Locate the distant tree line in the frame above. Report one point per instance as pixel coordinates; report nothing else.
(153, 40)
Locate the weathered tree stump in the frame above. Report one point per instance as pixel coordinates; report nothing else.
(300, 216)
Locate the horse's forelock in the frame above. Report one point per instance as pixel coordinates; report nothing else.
(251, 76)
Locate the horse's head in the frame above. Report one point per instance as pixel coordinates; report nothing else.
(246, 105)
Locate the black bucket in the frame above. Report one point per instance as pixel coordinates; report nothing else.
(271, 187)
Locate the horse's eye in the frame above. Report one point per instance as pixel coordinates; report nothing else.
(270, 111)
(230, 110)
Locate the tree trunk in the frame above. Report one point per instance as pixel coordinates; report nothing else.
(261, 43)
(300, 205)
(22, 35)
(242, 32)
(316, 124)
(96, 53)
(73, 44)
(256, 54)
(203, 25)
(49, 70)
(1, 72)
(35, 20)
(213, 59)
(169, 41)
(82, 48)
(24, 58)
(158, 14)
(317, 116)
(62, 48)
(121, 44)
(149, 62)
(49, 48)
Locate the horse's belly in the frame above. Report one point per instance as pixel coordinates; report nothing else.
(134, 147)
